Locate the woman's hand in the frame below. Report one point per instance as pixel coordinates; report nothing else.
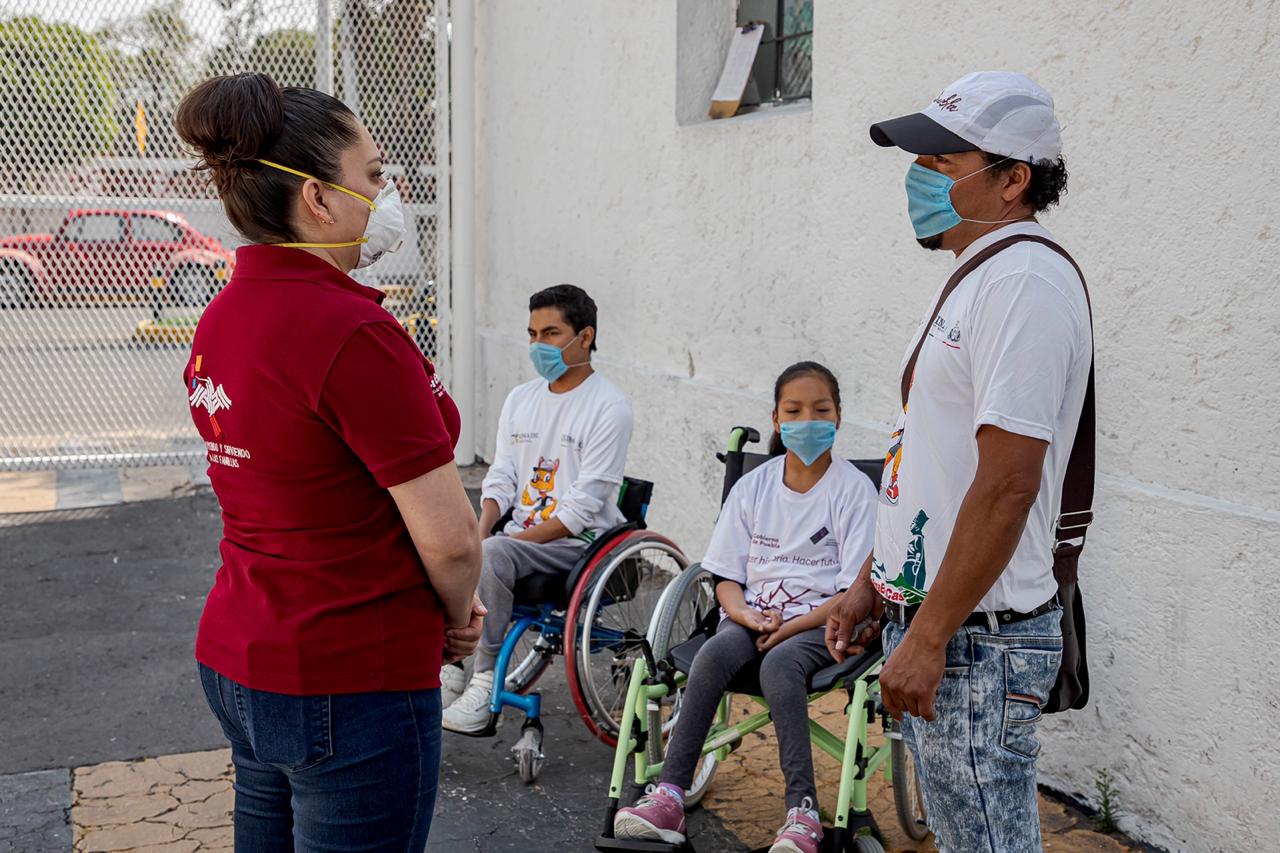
(460, 641)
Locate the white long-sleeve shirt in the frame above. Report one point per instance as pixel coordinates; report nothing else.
(561, 456)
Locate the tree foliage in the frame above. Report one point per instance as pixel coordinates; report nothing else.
(57, 99)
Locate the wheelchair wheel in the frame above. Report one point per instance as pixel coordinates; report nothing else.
(907, 795)
(683, 608)
(867, 844)
(608, 616)
(528, 754)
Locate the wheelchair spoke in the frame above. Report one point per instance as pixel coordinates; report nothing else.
(623, 597)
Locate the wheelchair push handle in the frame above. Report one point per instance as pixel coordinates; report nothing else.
(741, 436)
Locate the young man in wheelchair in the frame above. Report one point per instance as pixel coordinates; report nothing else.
(791, 534)
(561, 447)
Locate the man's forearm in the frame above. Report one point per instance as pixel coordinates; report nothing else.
(490, 513)
(988, 527)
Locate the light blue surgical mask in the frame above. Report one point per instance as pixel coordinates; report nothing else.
(549, 360)
(808, 439)
(929, 201)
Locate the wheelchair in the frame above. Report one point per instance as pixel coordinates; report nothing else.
(687, 616)
(597, 616)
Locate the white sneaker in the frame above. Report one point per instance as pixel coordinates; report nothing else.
(453, 680)
(469, 713)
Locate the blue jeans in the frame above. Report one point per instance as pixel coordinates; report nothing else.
(977, 760)
(330, 773)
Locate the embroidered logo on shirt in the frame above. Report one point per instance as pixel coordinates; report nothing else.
(212, 398)
(949, 337)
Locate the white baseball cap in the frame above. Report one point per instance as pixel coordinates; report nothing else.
(1000, 112)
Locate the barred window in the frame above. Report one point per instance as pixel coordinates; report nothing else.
(783, 70)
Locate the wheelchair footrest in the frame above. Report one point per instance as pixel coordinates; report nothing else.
(638, 846)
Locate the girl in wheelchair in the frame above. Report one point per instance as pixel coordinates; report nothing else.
(791, 534)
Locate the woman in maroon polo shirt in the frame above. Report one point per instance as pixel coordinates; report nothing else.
(350, 552)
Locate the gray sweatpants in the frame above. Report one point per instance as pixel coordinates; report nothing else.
(506, 561)
(784, 677)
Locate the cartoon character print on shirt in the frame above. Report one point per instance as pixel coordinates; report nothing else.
(543, 483)
(909, 586)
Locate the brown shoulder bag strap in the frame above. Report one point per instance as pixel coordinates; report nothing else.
(1076, 513)
(1077, 485)
(952, 283)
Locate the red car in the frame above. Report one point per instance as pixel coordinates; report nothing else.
(124, 252)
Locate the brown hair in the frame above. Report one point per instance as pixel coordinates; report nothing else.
(233, 121)
(795, 371)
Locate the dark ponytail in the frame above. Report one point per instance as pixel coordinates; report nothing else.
(232, 122)
(795, 371)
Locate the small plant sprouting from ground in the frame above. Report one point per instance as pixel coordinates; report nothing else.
(1108, 809)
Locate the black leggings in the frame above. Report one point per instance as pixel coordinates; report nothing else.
(784, 678)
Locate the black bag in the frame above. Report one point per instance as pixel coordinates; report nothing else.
(1072, 687)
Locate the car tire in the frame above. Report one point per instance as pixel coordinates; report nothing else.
(17, 285)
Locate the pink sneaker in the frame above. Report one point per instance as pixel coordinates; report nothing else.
(802, 833)
(657, 816)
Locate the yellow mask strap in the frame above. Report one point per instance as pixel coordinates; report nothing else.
(361, 241)
(340, 189)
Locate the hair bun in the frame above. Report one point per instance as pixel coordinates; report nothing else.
(231, 121)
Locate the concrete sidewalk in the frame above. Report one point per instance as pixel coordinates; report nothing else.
(25, 496)
(108, 745)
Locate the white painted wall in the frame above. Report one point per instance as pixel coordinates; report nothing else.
(721, 252)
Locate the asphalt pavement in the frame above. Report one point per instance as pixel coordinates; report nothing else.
(97, 622)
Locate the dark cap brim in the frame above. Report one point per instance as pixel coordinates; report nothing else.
(918, 134)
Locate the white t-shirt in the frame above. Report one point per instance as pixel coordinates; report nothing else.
(561, 456)
(791, 550)
(1011, 348)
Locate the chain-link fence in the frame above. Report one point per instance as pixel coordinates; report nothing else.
(110, 245)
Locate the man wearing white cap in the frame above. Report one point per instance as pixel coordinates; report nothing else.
(993, 384)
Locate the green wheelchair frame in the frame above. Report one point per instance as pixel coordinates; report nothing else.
(855, 829)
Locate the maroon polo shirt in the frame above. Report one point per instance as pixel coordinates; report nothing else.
(312, 402)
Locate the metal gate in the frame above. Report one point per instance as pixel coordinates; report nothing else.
(110, 246)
